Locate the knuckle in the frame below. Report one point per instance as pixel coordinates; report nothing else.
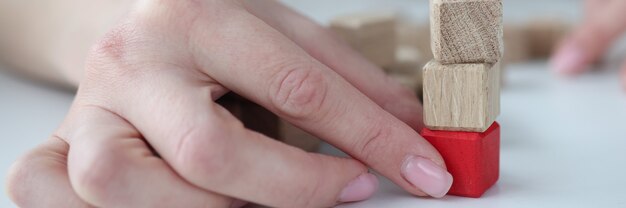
(200, 152)
(299, 90)
(114, 55)
(115, 44)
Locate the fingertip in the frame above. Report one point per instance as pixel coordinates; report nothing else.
(361, 188)
(426, 175)
(569, 59)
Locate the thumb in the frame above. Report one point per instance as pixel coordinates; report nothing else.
(590, 40)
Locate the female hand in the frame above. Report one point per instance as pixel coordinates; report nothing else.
(144, 130)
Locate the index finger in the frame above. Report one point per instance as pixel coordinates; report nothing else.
(273, 71)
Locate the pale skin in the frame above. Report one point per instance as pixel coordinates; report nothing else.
(144, 130)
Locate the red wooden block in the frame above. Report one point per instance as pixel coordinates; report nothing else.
(473, 158)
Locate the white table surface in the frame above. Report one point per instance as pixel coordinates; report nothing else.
(563, 140)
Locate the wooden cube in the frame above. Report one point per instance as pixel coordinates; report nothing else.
(466, 31)
(473, 159)
(373, 34)
(461, 97)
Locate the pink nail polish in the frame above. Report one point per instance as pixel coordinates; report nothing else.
(359, 189)
(427, 176)
(569, 59)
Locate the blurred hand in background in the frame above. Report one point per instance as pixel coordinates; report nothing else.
(603, 24)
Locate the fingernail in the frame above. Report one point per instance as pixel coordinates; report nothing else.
(360, 188)
(569, 59)
(429, 177)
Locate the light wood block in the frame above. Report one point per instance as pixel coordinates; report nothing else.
(461, 97)
(466, 31)
(373, 34)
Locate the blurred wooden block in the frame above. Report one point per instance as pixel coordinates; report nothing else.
(295, 136)
(371, 33)
(408, 60)
(516, 43)
(407, 68)
(380, 51)
(416, 35)
(466, 31)
(544, 35)
(363, 26)
(461, 97)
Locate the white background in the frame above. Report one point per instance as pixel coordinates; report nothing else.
(563, 140)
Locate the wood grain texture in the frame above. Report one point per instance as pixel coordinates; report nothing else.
(466, 31)
(461, 97)
(373, 34)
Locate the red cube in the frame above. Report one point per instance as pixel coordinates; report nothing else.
(473, 158)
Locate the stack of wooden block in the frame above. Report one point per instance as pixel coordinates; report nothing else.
(462, 91)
